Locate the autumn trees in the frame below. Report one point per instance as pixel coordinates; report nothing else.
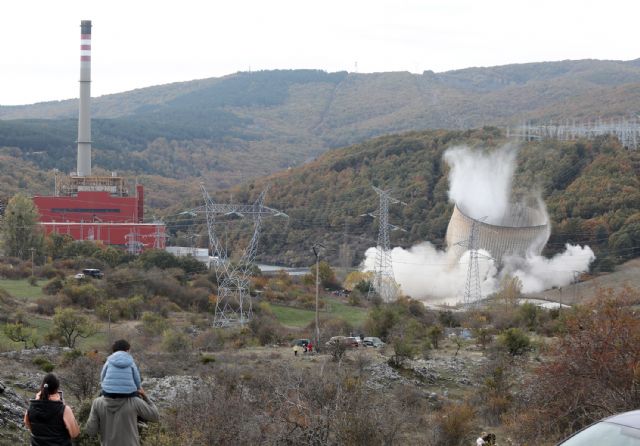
(592, 372)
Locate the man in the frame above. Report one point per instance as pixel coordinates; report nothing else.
(116, 419)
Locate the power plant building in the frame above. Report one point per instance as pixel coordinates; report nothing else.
(96, 208)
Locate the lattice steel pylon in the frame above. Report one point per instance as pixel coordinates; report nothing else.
(384, 282)
(472, 290)
(234, 305)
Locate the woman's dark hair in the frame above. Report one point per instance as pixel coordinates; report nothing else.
(120, 346)
(50, 385)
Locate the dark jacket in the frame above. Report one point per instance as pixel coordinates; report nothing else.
(47, 423)
(120, 374)
(116, 419)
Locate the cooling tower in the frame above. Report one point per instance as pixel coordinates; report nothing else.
(523, 230)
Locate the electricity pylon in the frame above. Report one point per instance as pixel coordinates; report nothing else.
(472, 289)
(384, 282)
(233, 305)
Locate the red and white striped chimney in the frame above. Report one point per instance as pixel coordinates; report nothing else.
(84, 116)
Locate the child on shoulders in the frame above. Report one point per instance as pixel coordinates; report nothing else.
(120, 377)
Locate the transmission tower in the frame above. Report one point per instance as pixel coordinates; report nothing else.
(234, 306)
(472, 290)
(384, 282)
(134, 246)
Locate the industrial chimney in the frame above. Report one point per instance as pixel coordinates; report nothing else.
(84, 118)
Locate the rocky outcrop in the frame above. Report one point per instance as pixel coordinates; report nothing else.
(164, 391)
(12, 407)
(48, 351)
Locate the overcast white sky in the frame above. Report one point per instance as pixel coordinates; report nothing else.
(139, 43)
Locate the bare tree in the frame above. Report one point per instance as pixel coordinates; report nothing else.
(82, 376)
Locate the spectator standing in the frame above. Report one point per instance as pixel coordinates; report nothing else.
(115, 419)
(50, 421)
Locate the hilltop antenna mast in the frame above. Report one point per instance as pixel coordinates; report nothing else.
(233, 305)
(384, 282)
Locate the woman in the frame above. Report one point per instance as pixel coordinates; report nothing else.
(50, 421)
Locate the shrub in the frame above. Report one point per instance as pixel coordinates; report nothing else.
(85, 295)
(49, 271)
(153, 324)
(337, 350)
(454, 424)
(210, 340)
(435, 333)
(48, 304)
(267, 329)
(515, 341)
(402, 350)
(529, 315)
(207, 359)
(175, 342)
(53, 286)
(43, 364)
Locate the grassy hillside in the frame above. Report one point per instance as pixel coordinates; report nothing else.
(230, 129)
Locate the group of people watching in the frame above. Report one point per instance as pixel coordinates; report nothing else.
(305, 347)
(114, 414)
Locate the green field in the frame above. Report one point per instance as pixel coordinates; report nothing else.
(298, 317)
(20, 289)
(43, 327)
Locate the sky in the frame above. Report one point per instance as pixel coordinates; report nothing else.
(140, 43)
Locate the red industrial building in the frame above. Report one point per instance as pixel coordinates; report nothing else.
(97, 208)
(106, 216)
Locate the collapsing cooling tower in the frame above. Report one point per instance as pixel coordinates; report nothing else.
(521, 231)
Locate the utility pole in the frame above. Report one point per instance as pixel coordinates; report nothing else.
(316, 251)
(109, 323)
(576, 274)
(32, 262)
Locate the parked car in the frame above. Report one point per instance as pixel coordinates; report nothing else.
(372, 341)
(79, 276)
(352, 341)
(335, 340)
(93, 272)
(347, 341)
(620, 430)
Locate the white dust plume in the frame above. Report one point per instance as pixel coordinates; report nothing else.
(538, 273)
(480, 181)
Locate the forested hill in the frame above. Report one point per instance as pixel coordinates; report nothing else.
(230, 129)
(591, 188)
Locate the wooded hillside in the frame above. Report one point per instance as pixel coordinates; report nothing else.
(591, 188)
(231, 129)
